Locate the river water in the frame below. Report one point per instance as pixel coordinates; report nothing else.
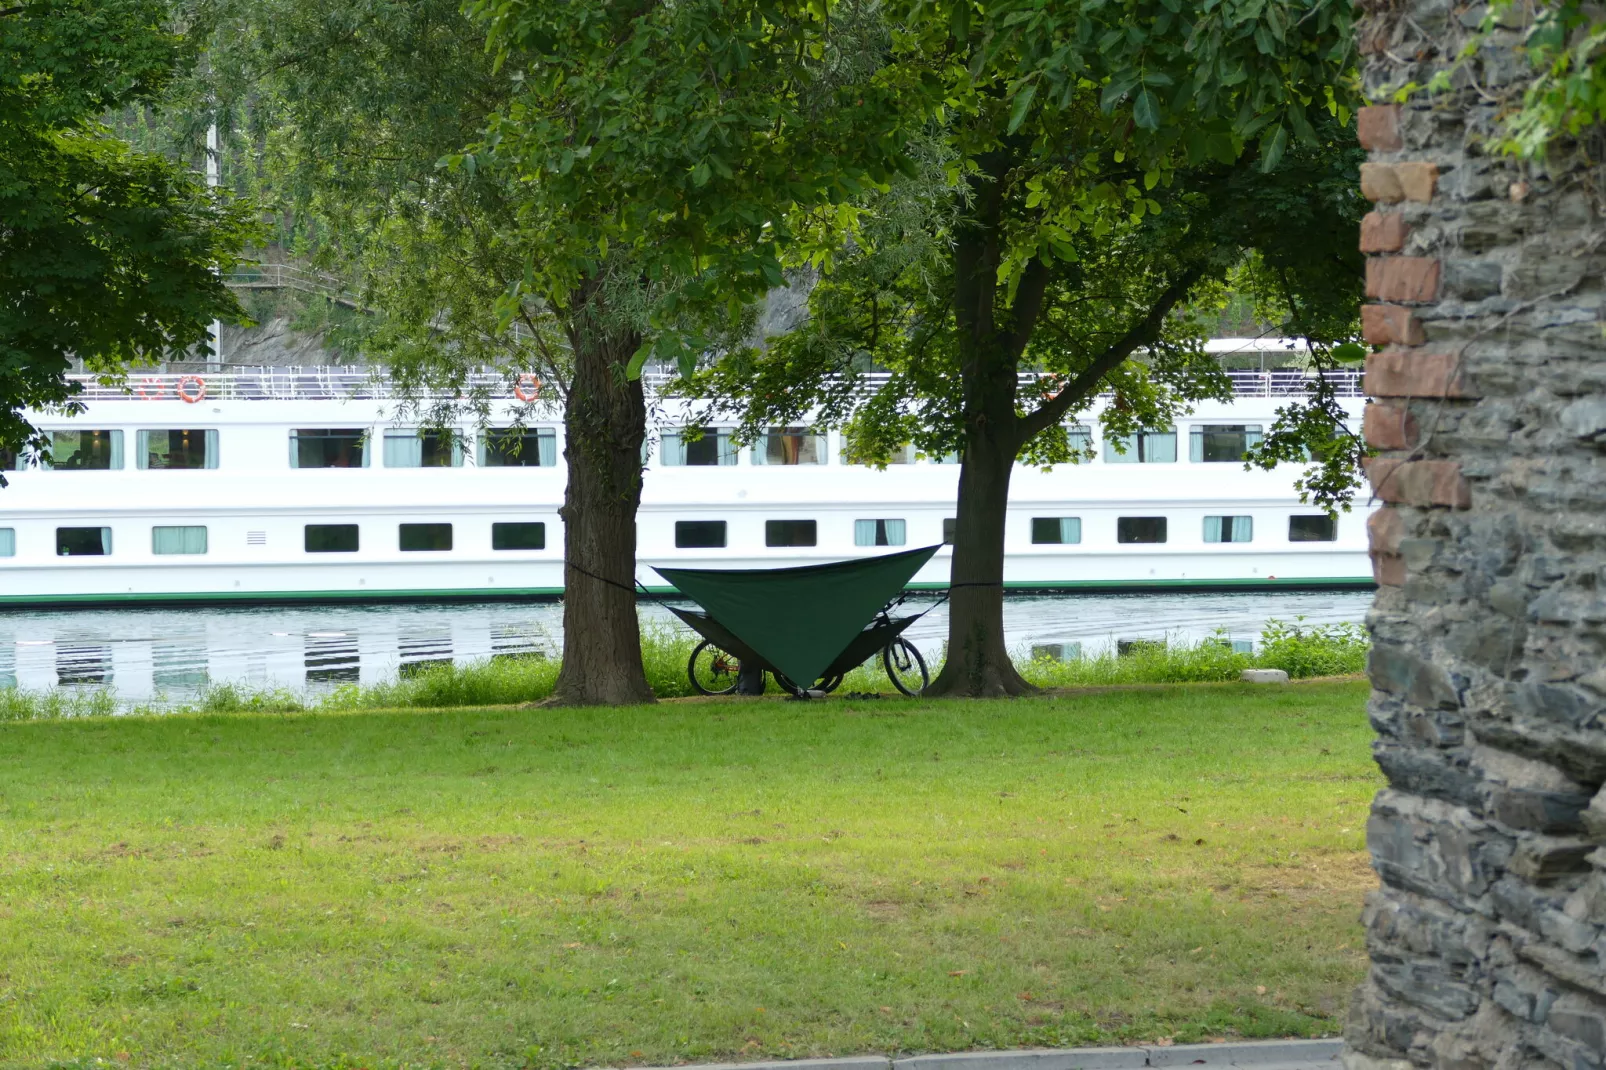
(170, 654)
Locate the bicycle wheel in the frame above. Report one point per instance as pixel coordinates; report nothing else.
(905, 666)
(711, 670)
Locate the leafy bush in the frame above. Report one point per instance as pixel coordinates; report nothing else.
(1313, 650)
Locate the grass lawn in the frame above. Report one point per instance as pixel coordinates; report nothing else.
(691, 881)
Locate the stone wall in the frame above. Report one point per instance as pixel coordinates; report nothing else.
(1488, 933)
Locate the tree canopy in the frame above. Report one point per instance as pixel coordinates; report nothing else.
(1091, 170)
(107, 255)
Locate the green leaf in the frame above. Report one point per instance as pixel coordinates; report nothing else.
(1023, 101)
(1272, 146)
(1146, 110)
(700, 173)
(1349, 352)
(638, 360)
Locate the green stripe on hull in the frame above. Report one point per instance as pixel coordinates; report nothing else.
(496, 594)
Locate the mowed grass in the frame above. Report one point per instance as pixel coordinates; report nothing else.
(692, 881)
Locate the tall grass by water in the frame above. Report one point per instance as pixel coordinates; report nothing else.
(1301, 650)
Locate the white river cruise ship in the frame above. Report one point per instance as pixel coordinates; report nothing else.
(285, 484)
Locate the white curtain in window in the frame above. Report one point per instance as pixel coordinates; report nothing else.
(1159, 447)
(64, 444)
(106, 534)
(547, 442)
(790, 445)
(178, 540)
(1070, 529)
(1243, 528)
(879, 533)
(403, 449)
(1212, 528)
(8, 542)
(672, 449)
(1112, 443)
(1196, 445)
(211, 449)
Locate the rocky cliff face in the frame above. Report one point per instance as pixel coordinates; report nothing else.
(1488, 934)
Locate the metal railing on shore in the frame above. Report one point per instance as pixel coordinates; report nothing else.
(340, 383)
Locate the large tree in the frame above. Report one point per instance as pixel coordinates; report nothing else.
(107, 255)
(1098, 166)
(626, 194)
(658, 151)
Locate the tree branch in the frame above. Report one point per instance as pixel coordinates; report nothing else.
(1028, 304)
(1083, 386)
(8, 11)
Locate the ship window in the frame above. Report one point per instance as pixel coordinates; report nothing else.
(1056, 530)
(331, 538)
(699, 534)
(1140, 529)
(422, 449)
(1229, 528)
(176, 449)
(1080, 438)
(83, 451)
(790, 445)
(83, 542)
(413, 537)
(949, 523)
(326, 447)
(190, 539)
(790, 533)
(1316, 528)
(1145, 447)
(519, 447)
(518, 535)
(8, 542)
(879, 533)
(712, 447)
(904, 454)
(1218, 443)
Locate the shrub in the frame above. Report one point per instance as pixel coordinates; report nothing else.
(1313, 650)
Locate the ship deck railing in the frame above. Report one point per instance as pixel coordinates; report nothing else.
(350, 383)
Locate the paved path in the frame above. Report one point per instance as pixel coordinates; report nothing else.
(1250, 1055)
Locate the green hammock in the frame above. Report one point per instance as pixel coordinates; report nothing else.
(800, 619)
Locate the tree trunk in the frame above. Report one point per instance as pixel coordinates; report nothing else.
(978, 663)
(605, 423)
(991, 340)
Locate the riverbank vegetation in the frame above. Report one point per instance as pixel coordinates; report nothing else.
(691, 881)
(1300, 650)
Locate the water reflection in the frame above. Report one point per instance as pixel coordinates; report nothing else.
(173, 654)
(83, 663)
(430, 646)
(179, 665)
(331, 658)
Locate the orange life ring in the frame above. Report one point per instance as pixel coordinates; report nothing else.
(200, 389)
(149, 388)
(534, 391)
